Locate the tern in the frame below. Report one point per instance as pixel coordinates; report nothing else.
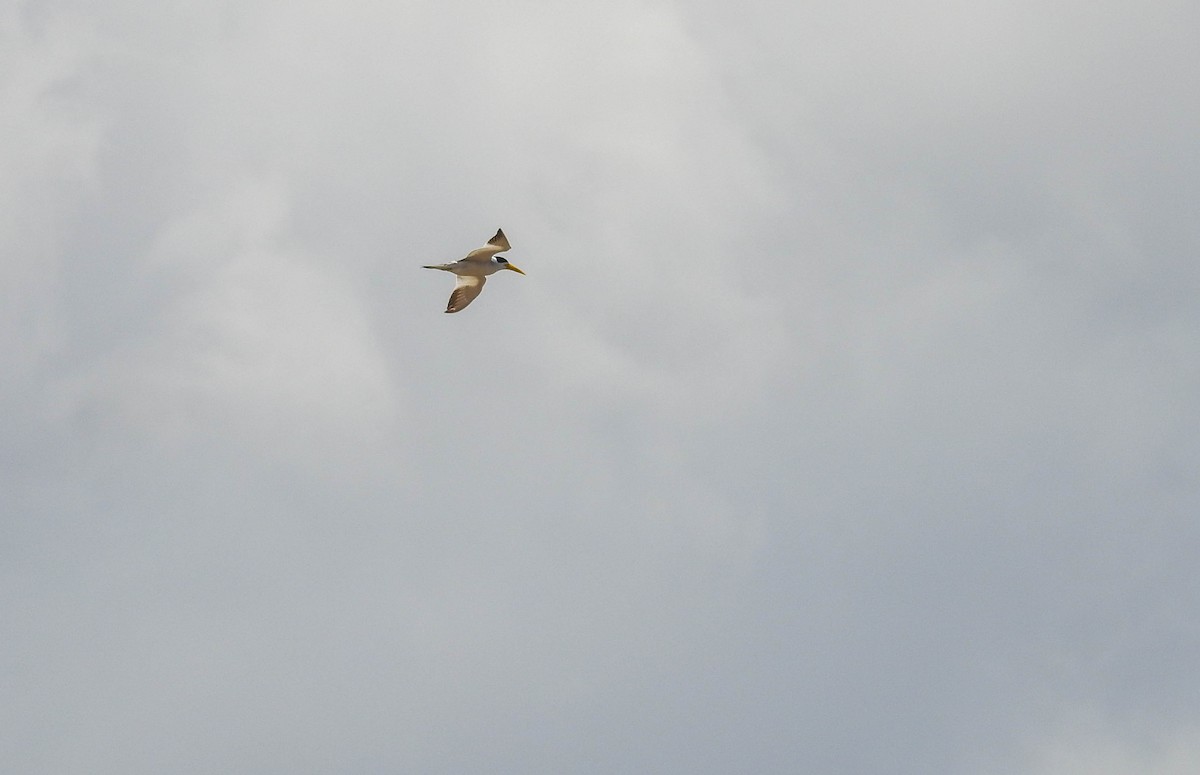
(473, 270)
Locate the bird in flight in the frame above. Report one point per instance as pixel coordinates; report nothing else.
(473, 270)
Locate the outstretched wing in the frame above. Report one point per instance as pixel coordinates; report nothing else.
(465, 291)
(500, 241)
(497, 244)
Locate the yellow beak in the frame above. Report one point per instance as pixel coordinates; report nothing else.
(510, 266)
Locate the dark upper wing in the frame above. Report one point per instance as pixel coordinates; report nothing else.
(497, 244)
(500, 241)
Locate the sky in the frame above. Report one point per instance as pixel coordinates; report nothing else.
(847, 419)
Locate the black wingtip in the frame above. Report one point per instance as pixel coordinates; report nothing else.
(499, 240)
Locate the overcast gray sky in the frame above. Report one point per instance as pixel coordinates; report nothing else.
(846, 421)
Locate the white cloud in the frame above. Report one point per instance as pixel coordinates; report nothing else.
(851, 386)
(47, 151)
(260, 343)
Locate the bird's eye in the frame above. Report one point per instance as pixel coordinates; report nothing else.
(501, 260)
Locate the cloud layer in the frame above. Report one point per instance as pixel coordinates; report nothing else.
(845, 421)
